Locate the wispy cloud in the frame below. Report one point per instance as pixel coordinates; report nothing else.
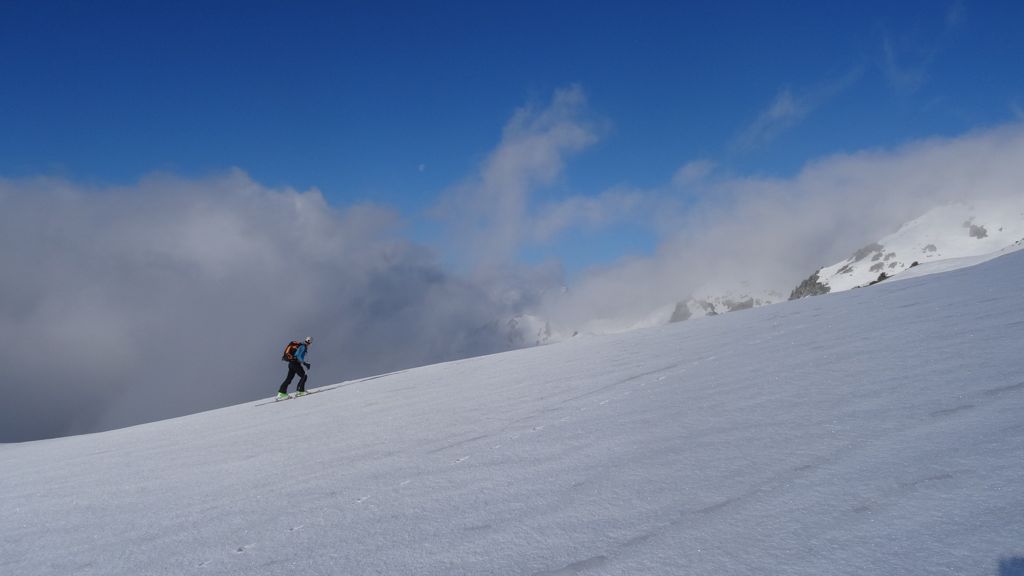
(790, 108)
(907, 58)
(955, 14)
(784, 112)
(490, 212)
(692, 172)
(903, 77)
(593, 212)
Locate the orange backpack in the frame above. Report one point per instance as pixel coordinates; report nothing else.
(289, 351)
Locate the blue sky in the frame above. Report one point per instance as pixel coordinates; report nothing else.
(396, 102)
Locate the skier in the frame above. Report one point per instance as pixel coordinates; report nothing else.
(295, 354)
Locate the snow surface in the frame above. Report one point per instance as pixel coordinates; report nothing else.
(875, 431)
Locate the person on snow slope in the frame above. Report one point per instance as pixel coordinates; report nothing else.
(295, 355)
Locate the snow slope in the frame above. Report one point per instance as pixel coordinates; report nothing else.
(876, 431)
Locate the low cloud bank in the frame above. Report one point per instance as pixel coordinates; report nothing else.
(766, 233)
(124, 305)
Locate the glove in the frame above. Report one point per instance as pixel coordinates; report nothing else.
(306, 364)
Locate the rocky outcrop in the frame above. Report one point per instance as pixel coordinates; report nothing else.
(681, 313)
(867, 251)
(734, 305)
(809, 287)
(881, 278)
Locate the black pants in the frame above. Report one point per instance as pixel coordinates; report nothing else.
(294, 367)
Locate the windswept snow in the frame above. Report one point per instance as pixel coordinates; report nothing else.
(875, 431)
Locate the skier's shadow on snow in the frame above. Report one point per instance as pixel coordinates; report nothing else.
(1011, 567)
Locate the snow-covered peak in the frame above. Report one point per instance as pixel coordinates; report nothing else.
(712, 301)
(947, 232)
(531, 330)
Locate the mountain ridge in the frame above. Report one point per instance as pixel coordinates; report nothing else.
(957, 230)
(947, 232)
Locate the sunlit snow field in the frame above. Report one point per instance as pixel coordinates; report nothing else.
(875, 431)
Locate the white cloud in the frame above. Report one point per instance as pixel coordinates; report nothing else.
(592, 212)
(775, 232)
(126, 304)
(907, 78)
(783, 112)
(788, 109)
(692, 172)
(490, 212)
